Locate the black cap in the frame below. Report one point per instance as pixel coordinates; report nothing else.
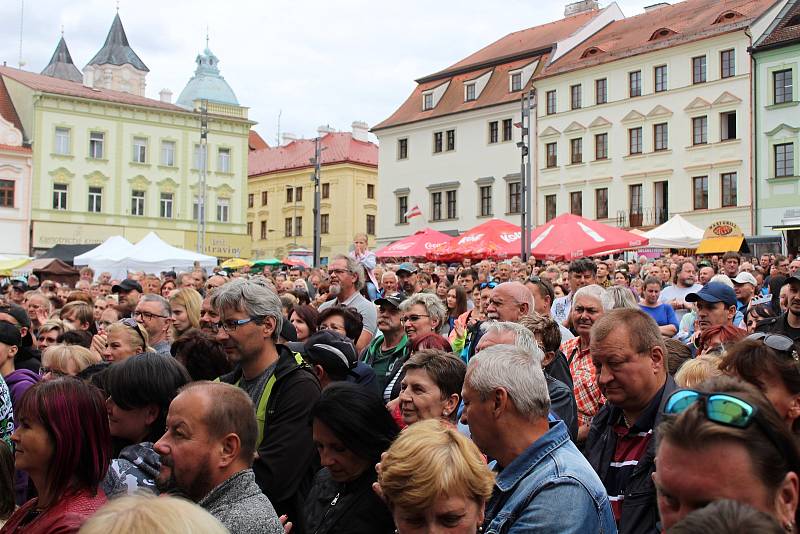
(288, 331)
(794, 278)
(393, 299)
(333, 351)
(9, 334)
(20, 285)
(21, 316)
(127, 285)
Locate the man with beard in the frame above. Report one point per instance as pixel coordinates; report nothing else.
(788, 323)
(407, 278)
(387, 353)
(675, 295)
(347, 279)
(283, 390)
(209, 318)
(207, 453)
(509, 302)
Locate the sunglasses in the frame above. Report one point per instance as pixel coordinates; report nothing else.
(131, 323)
(412, 318)
(720, 408)
(777, 342)
(490, 285)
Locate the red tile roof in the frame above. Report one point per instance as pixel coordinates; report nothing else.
(339, 147)
(9, 148)
(690, 20)
(255, 141)
(46, 84)
(7, 109)
(780, 31)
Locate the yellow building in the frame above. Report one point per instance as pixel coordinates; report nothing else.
(280, 194)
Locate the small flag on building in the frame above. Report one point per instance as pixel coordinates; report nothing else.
(413, 212)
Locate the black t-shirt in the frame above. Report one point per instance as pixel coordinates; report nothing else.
(779, 325)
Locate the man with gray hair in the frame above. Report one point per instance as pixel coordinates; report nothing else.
(347, 279)
(539, 469)
(154, 314)
(283, 390)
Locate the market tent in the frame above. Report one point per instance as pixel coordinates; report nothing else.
(266, 262)
(152, 255)
(675, 233)
(67, 253)
(495, 238)
(570, 236)
(50, 269)
(417, 245)
(8, 265)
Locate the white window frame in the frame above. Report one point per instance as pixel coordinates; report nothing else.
(96, 145)
(166, 203)
(223, 209)
(95, 200)
(168, 153)
(224, 160)
(62, 141)
(139, 150)
(60, 196)
(137, 202)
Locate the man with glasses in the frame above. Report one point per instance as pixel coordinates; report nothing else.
(154, 315)
(629, 355)
(581, 273)
(282, 387)
(347, 279)
(787, 323)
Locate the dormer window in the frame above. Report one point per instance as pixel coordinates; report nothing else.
(516, 81)
(591, 51)
(427, 101)
(728, 16)
(794, 21)
(469, 92)
(662, 33)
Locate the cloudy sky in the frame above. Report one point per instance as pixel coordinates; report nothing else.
(314, 62)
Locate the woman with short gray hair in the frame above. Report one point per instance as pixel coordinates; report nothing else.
(423, 313)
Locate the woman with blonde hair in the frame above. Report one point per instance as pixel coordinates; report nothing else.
(66, 360)
(124, 339)
(185, 304)
(698, 370)
(430, 470)
(146, 514)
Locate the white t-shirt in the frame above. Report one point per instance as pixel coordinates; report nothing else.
(678, 293)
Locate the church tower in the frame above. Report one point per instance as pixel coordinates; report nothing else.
(61, 65)
(207, 83)
(116, 66)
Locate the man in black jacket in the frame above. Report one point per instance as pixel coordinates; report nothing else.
(282, 387)
(630, 355)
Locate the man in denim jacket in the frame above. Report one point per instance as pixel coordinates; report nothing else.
(543, 484)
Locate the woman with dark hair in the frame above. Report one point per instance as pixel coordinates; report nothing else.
(757, 313)
(167, 288)
(431, 387)
(139, 390)
(305, 319)
(201, 354)
(775, 285)
(62, 441)
(347, 321)
(351, 429)
(456, 304)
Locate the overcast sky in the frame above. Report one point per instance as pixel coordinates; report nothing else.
(315, 62)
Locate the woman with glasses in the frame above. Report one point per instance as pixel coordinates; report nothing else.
(66, 360)
(125, 339)
(725, 441)
(422, 313)
(770, 363)
(185, 305)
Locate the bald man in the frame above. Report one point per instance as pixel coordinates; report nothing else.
(510, 301)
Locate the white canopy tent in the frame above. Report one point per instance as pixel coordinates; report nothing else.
(153, 255)
(103, 257)
(675, 233)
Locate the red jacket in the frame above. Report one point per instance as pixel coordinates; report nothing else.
(66, 516)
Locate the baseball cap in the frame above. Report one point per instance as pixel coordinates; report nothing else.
(21, 285)
(9, 334)
(745, 278)
(333, 351)
(714, 292)
(794, 278)
(393, 299)
(21, 316)
(127, 285)
(407, 267)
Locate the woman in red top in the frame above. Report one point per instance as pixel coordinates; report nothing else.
(62, 441)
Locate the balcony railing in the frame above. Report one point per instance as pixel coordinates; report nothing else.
(646, 217)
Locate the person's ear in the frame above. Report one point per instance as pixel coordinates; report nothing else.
(786, 501)
(268, 327)
(319, 372)
(12, 351)
(500, 402)
(657, 358)
(794, 408)
(151, 414)
(524, 309)
(229, 449)
(451, 404)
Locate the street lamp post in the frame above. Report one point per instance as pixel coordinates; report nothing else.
(528, 182)
(201, 200)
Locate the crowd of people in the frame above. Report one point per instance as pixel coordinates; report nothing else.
(589, 396)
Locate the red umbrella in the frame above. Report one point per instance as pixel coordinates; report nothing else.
(416, 245)
(495, 238)
(570, 236)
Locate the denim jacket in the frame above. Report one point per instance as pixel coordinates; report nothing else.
(549, 488)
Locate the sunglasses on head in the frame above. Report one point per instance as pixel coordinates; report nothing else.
(490, 285)
(131, 323)
(777, 342)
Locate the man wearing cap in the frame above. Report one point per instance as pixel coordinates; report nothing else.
(407, 278)
(788, 323)
(28, 357)
(333, 358)
(347, 279)
(387, 353)
(18, 380)
(716, 306)
(16, 291)
(744, 285)
(129, 292)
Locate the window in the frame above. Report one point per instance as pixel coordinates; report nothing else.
(515, 197)
(263, 229)
(699, 69)
(549, 207)
(370, 190)
(700, 130)
(289, 195)
(96, 145)
(486, 200)
(251, 200)
(660, 136)
(700, 192)
(507, 129)
(576, 203)
(437, 142)
(298, 194)
(168, 153)
(137, 203)
(223, 209)
(62, 141)
(782, 86)
(451, 204)
(165, 210)
(635, 83)
(727, 60)
(451, 139)
(601, 91)
(494, 132)
(326, 190)
(224, 160)
(427, 101)
(436, 206)
(576, 150)
(250, 229)
(635, 140)
(264, 198)
(728, 180)
(660, 78)
(324, 223)
(601, 146)
(196, 211)
(635, 205)
(552, 155)
(59, 196)
(402, 149)
(287, 227)
(727, 126)
(516, 81)
(551, 102)
(575, 96)
(371, 224)
(139, 150)
(95, 199)
(298, 226)
(6, 193)
(784, 160)
(601, 203)
(469, 93)
(402, 209)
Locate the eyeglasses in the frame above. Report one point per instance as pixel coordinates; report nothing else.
(720, 408)
(490, 285)
(337, 272)
(131, 323)
(412, 318)
(149, 316)
(232, 324)
(55, 372)
(777, 342)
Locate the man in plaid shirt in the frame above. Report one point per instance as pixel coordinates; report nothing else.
(588, 305)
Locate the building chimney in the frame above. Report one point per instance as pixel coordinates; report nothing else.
(360, 131)
(653, 7)
(165, 95)
(581, 6)
(325, 129)
(288, 138)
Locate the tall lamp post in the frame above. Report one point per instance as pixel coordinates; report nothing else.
(527, 170)
(201, 200)
(317, 161)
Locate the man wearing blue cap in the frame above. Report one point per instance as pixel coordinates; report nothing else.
(716, 306)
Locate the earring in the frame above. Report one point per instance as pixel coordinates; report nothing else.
(788, 526)
(480, 529)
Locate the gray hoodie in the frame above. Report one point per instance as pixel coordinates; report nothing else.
(239, 505)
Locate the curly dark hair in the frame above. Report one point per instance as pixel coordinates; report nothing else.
(202, 355)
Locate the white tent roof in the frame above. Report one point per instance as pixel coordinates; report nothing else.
(675, 233)
(114, 248)
(152, 255)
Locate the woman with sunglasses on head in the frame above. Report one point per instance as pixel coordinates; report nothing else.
(125, 339)
(769, 362)
(724, 440)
